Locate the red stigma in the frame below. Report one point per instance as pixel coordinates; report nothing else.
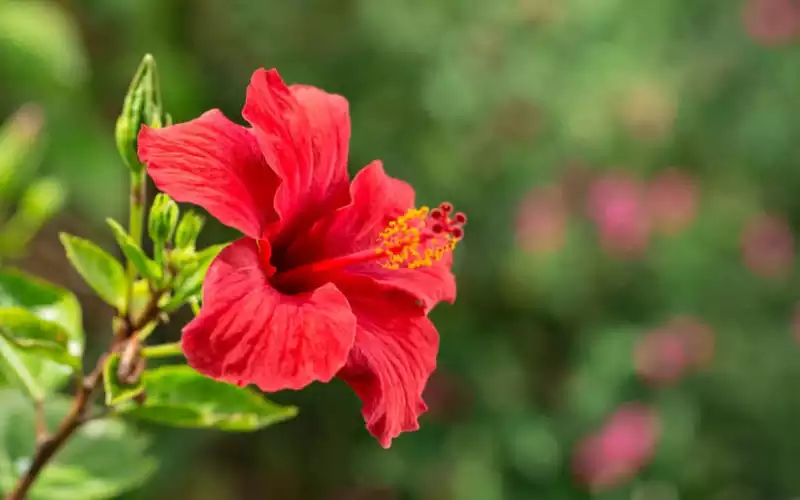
(444, 225)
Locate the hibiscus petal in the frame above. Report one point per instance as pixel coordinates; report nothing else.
(249, 333)
(393, 356)
(431, 284)
(304, 134)
(376, 200)
(329, 122)
(216, 164)
(374, 192)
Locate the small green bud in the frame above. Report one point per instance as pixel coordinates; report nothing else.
(163, 219)
(188, 230)
(142, 106)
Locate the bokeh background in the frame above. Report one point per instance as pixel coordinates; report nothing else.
(627, 324)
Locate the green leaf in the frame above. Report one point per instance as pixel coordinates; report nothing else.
(181, 397)
(14, 371)
(39, 202)
(19, 138)
(102, 460)
(29, 333)
(99, 269)
(116, 391)
(190, 279)
(48, 301)
(51, 304)
(146, 267)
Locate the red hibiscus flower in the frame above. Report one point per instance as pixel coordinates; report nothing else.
(332, 278)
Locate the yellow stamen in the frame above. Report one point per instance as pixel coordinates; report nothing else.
(408, 241)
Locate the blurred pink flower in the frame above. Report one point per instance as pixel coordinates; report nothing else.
(672, 201)
(772, 22)
(624, 445)
(663, 356)
(768, 245)
(616, 205)
(698, 338)
(542, 220)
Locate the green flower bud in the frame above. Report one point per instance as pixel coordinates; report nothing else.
(188, 230)
(142, 106)
(163, 219)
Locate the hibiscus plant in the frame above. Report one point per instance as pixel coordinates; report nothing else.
(332, 278)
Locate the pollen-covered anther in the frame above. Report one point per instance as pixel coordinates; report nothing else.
(421, 237)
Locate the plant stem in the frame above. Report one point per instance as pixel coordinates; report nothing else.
(48, 446)
(41, 421)
(135, 221)
(162, 351)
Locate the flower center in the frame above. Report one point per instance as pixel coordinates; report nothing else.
(418, 238)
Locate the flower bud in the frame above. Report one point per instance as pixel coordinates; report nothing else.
(142, 106)
(188, 230)
(163, 219)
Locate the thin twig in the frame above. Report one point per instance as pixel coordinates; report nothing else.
(79, 411)
(41, 421)
(46, 449)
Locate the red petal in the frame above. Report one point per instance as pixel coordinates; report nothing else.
(249, 333)
(430, 284)
(304, 134)
(214, 163)
(376, 200)
(329, 121)
(393, 356)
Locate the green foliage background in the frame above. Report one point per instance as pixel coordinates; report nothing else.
(478, 102)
